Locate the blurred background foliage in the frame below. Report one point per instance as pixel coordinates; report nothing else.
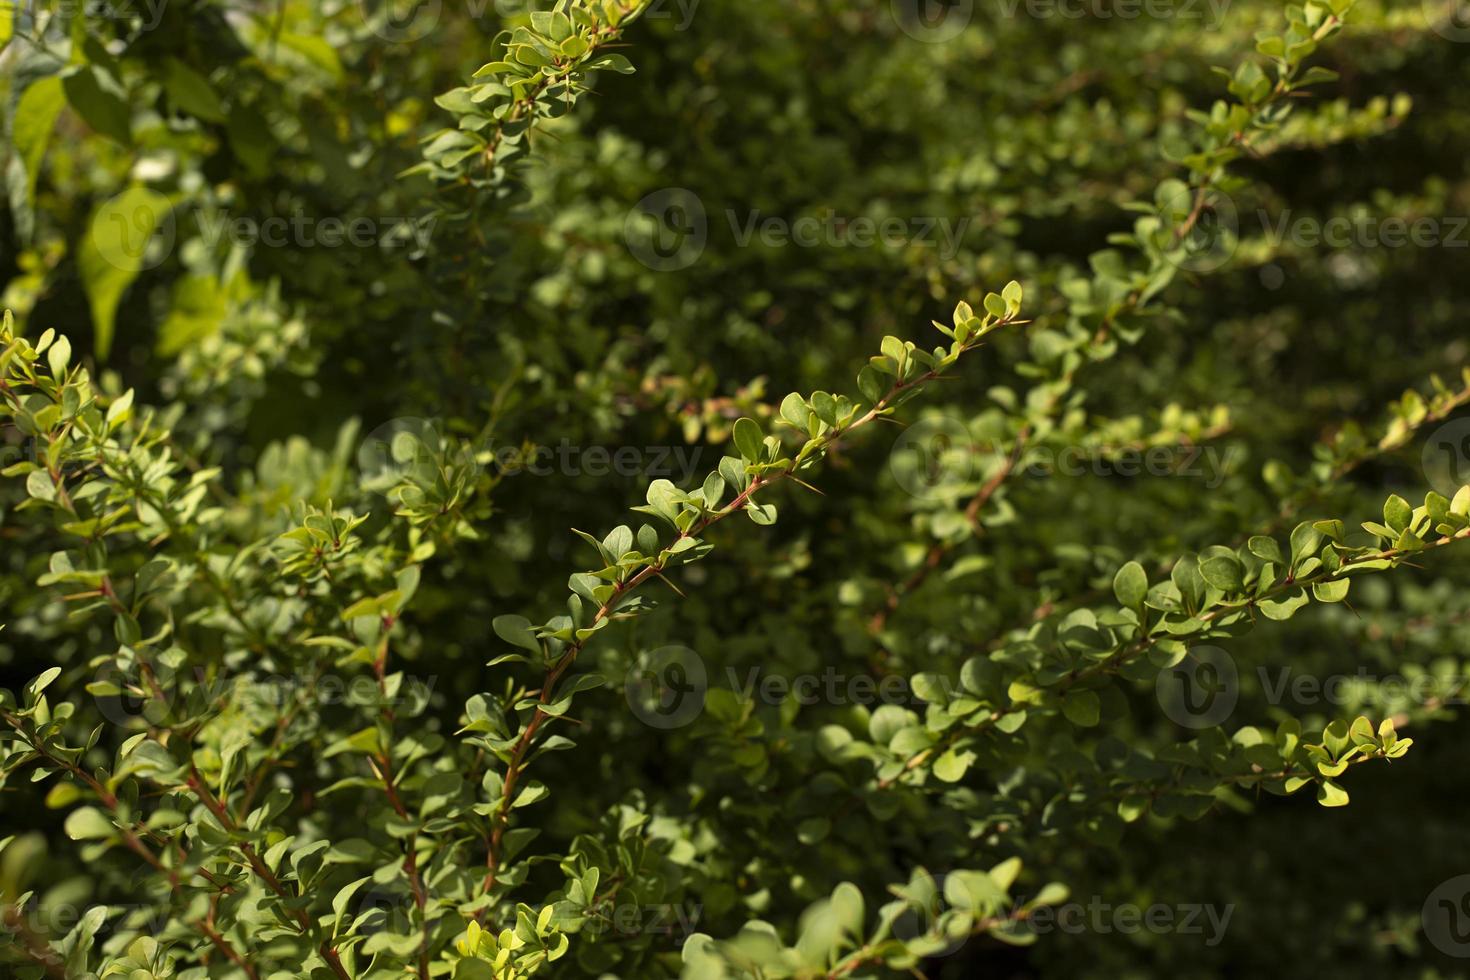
(522, 316)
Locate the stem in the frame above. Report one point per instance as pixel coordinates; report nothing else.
(385, 765)
(35, 946)
(866, 954)
(196, 783)
(516, 764)
(134, 843)
(1143, 644)
(211, 933)
(940, 549)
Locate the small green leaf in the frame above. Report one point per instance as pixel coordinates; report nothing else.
(749, 440)
(88, 823)
(40, 682)
(59, 356)
(761, 513)
(344, 895)
(1130, 585)
(1331, 794)
(1461, 504)
(952, 765)
(1082, 708)
(713, 490)
(795, 410)
(1012, 294)
(1304, 542)
(1267, 549)
(1397, 513)
(515, 630)
(1224, 573)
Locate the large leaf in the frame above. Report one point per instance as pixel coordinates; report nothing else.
(35, 117)
(127, 234)
(101, 108)
(191, 92)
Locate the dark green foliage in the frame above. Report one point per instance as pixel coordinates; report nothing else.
(342, 340)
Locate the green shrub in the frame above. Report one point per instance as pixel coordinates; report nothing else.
(322, 333)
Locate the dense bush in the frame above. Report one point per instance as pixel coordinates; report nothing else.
(339, 334)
